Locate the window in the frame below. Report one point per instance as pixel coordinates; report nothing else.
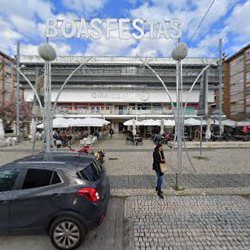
(40, 178)
(90, 173)
(7, 179)
(55, 179)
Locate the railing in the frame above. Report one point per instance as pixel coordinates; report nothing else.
(122, 72)
(121, 112)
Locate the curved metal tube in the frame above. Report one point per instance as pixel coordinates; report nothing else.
(197, 78)
(158, 77)
(32, 87)
(65, 82)
(170, 98)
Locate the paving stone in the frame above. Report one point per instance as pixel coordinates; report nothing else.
(193, 222)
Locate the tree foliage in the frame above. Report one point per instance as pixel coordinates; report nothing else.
(8, 113)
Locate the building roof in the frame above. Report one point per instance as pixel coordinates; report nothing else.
(238, 53)
(118, 60)
(6, 56)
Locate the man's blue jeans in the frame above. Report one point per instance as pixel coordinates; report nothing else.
(159, 180)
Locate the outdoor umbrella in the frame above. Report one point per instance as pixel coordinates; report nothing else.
(1, 132)
(193, 122)
(150, 122)
(33, 128)
(229, 123)
(103, 121)
(215, 122)
(91, 122)
(72, 122)
(162, 127)
(134, 127)
(130, 123)
(243, 123)
(169, 123)
(58, 122)
(87, 122)
(208, 130)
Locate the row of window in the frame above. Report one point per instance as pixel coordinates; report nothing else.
(34, 178)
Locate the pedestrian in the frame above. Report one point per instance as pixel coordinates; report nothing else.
(111, 132)
(158, 158)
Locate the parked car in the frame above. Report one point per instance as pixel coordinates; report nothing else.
(66, 197)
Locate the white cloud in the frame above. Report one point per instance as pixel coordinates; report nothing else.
(87, 7)
(209, 45)
(235, 33)
(189, 12)
(9, 36)
(27, 9)
(153, 48)
(25, 26)
(31, 49)
(109, 47)
(239, 21)
(23, 19)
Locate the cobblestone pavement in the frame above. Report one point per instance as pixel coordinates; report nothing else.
(194, 222)
(222, 171)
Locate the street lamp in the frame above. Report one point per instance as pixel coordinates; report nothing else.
(48, 53)
(179, 53)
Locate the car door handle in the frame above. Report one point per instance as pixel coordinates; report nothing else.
(56, 196)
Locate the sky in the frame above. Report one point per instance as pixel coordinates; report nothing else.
(24, 21)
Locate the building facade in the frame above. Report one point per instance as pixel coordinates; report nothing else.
(120, 88)
(237, 85)
(7, 79)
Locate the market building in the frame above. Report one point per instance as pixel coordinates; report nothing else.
(237, 85)
(120, 88)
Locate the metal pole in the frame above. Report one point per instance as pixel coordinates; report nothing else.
(220, 85)
(18, 92)
(178, 119)
(201, 132)
(33, 134)
(47, 103)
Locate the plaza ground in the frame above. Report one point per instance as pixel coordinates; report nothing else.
(220, 171)
(213, 212)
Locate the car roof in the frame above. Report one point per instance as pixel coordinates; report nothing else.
(60, 161)
(61, 156)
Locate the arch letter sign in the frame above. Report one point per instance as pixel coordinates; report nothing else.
(122, 28)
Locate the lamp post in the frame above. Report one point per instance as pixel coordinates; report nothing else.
(220, 85)
(179, 53)
(47, 52)
(18, 93)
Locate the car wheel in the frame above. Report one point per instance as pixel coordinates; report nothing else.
(67, 233)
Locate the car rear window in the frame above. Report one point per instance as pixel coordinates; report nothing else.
(90, 173)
